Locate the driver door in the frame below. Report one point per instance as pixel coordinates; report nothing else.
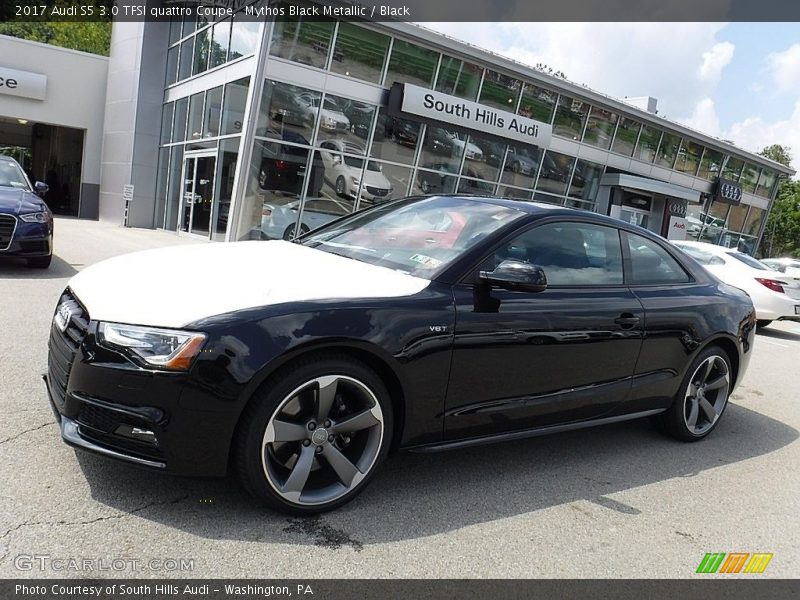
(524, 360)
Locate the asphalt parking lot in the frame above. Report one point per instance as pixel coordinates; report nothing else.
(617, 501)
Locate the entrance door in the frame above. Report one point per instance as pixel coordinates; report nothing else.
(634, 216)
(198, 193)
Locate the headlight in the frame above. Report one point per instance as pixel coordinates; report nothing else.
(164, 348)
(37, 217)
(355, 181)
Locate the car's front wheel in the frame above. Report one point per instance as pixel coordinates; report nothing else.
(701, 399)
(313, 437)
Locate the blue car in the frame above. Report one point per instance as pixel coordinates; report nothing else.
(26, 223)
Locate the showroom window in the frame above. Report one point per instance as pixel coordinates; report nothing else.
(571, 254)
(570, 117)
(710, 165)
(234, 105)
(220, 42)
(646, 147)
(361, 52)
(395, 139)
(195, 123)
(166, 122)
(521, 166)
(227, 158)
(752, 224)
(766, 181)
(347, 121)
(172, 65)
(410, 63)
(749, 177)
(688, 159)
(668, 150)
(500, 91)
(483, 158)
(586, 181)
(244, 36)
(600, 128)
(625, 138)
(302, 41)
(213, 112)
(288, 112)
(201, 49)
(459, 78)
(650, 264)
(433, 181)
(555, 173)
(548, 198)
(733, 169)
(179, 122)
(736, 217)
(537, 103)
(186, 59)
(442, 149)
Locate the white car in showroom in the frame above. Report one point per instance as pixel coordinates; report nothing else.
(461, 145)
(331, 117)
(344, 172)
(790, 267)
(775, 298)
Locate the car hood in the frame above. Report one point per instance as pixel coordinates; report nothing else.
(175, 286)
(19, 201)
(376, 179)
(333, 115)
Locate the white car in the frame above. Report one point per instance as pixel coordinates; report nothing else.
(460, 142)
(774, 298)
(345, 172)
(279, 220)
(790, 267)
(331, 117)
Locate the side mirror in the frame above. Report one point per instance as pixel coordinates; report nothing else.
(516, 276)
(40, 188)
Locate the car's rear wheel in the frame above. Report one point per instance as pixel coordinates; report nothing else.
(40, 262)
(313, 437)
(762, 323)
(701, 399)
(341, 187)
(288, 233)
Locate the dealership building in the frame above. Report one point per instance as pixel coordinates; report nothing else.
(244, 129)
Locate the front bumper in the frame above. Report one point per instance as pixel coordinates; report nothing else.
(173, 422)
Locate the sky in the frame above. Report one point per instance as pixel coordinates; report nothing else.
(735, 81)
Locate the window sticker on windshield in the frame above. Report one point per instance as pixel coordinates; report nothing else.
(428, 261)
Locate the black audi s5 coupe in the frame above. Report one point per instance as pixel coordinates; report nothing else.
(26, 223)
(424, 324)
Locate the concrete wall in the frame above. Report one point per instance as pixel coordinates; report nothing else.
(76, 97)
(134, 99)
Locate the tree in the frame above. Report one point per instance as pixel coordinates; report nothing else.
(778, 153)
(782, 233)
(71, 32)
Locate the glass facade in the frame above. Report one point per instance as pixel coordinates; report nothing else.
(316, 155)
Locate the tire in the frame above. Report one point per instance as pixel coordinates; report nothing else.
(341, 187)
(288, 234)
(761, 323)
(516, 167)
(425, 186)
(703, 409)
(262, 179)
(41, 262)
(268, 468)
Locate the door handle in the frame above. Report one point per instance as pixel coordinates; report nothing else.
(627, 320)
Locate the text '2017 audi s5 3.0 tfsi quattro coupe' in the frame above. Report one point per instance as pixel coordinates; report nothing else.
(26, 223)
(422, 323)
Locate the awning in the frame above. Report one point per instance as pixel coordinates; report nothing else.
(651, 185)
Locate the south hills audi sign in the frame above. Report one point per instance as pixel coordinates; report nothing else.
(407, 100)
(728, 192)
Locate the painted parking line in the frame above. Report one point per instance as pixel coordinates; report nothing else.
(773, 342)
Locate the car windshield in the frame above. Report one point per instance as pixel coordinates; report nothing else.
(749, 261)
(418, 236)
(12, 176)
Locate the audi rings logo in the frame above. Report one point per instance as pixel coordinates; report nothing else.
(729, 192)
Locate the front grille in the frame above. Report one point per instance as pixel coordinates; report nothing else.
(377, 191)
(8, 223)
(64, 344)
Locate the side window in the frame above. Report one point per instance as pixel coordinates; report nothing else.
(571, 254)
(651, 264)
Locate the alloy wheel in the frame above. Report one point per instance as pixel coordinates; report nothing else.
(706, 395)
(322, 440)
